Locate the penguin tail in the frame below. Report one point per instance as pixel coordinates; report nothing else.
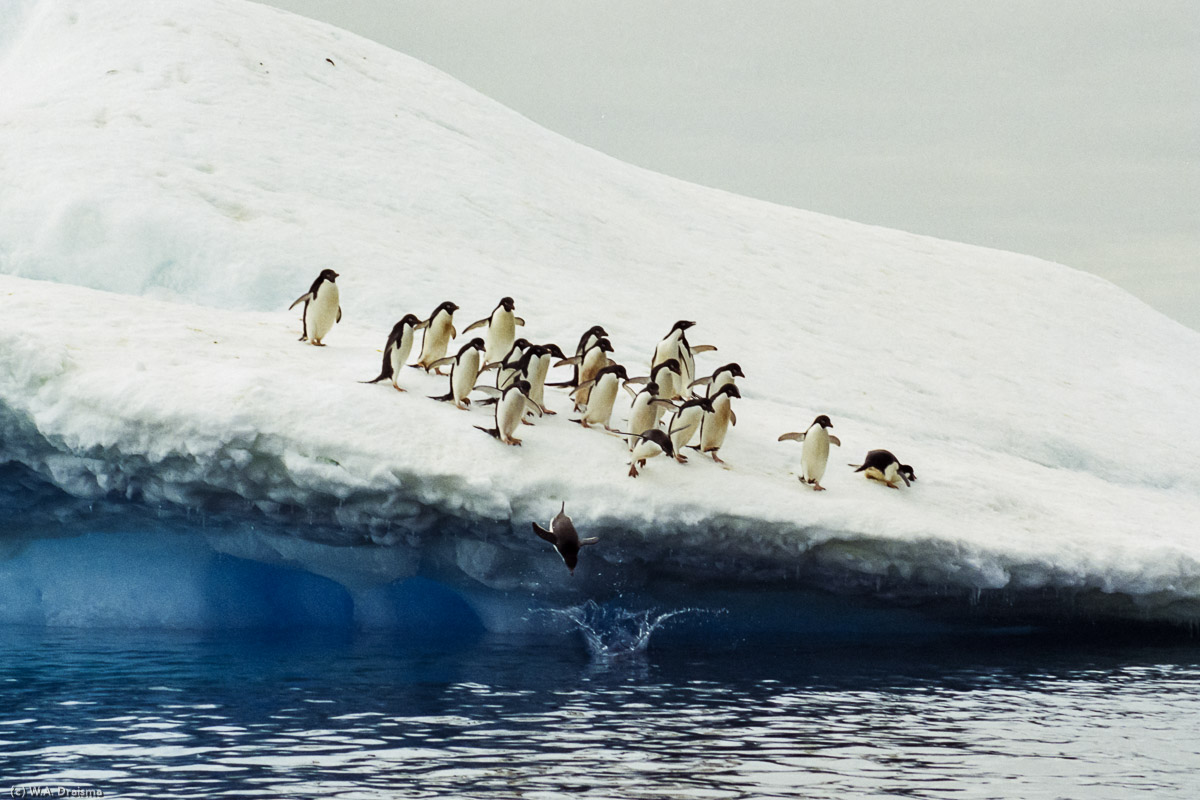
(448, 396)
(493, 432)
(561, 384)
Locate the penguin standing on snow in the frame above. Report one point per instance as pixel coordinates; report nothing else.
(647, 407)
(715, 423)
(463, 372)
(322, 308)
(685, 424)
(439, 330)
(589, 338)
(395, 352)
(510, 409)
(815, 454)
(564, 537)
(675, 345)
(602, 394)
(594, 359)
(882, 466)
(501, 329)
(540, 357)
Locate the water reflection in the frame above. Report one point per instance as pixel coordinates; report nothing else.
(145, 715)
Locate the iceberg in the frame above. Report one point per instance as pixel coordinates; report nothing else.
(177, 172)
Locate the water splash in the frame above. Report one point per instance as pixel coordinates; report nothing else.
(611, 632)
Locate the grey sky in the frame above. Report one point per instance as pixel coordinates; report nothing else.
(1068, 130)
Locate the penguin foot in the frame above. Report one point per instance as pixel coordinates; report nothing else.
(315, 343)
(714, 455)
(302, 339)
(398, 389)
(893, 486)
(633, 473)
(548, 411)
(461, 407)
(525, 422)
(681, 458)
(817, 487)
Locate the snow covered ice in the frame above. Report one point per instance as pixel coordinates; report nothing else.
(176, 173)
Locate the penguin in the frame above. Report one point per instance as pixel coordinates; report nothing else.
(720, 377)
(651, 443)
(589, 338)
(439, 330)
(675, 345)
(540, 357)
(815, 454)
(501, 329)
(463, 372)
(716, 422)
(563, 536)
(397, 349)
(322, 308)
(882, 466)
(656, 377)
(506, 368)
(591, 362)
(510, 408)
(685, 424)
(647, 407)
(602, 394)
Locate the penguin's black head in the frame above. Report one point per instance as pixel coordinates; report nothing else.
(671, 364)
(706, 403)
(605, 345)
(728, 389)
(447, 306)
(733, 369)
(823, 421)
(554, 350)
(907, 473)
(521, 344)
(408, 319)
(474, 344)
(570, 556)
(651, 387)
(682, 325)
(618, 370)
(660, 438)
(522, 386)
(506, 303)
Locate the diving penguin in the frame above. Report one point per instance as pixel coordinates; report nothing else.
(882, 466)
(563, 536)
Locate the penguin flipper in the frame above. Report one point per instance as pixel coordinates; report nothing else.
(519, 320)
(700, 382)
(304, 298)
(545, 534)
(445, 398)
(493, 432)
(567, 362)
(589, 540)
(441, 362)
(453, 333)
(479, 323)
(339, 316)
(704, 348)
(834, 440)
(793, 436)
(491, 391)
(533, 405)
(582, 386)
(733, 420)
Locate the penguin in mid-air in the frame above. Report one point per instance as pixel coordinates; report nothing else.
(463, 372)
(439, 330)
(882, 466)
(322, 308)
(815, 454)
(395, 352)
(510, 410)
(501, 329)
(564, 537)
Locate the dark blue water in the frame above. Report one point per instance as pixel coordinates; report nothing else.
(285, 714)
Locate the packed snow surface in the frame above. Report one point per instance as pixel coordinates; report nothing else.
(176, 172)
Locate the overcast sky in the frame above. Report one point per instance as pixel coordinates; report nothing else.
(1068, 130)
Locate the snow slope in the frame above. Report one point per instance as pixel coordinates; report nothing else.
(176, 173)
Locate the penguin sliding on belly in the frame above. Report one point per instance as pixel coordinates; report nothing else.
(397, 349)
(322, 308)
(882, 466)
(564, 537)
(815, 454)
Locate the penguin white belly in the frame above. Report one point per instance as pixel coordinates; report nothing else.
(644, 449)
(538, 370)
(437, 339)
(508, 414)
(400, 352)
(641, 417)
(501, 333)
(716, 424)
(593, 362)
(685, 424)
(322, 311)
(815, 455)
(668, 384)
(601, 400)
(465, 373)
